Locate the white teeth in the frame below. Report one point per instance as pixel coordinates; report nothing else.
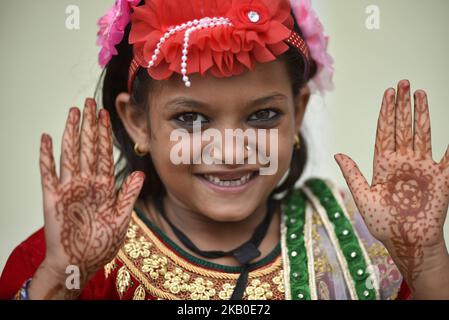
(228, 183)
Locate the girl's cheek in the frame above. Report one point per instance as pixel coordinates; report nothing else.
(285, 157)
(284, 147)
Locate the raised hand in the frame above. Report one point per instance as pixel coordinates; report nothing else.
(406, 204)
(85, 219)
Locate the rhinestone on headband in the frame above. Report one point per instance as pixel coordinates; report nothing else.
(191, 26)
(253, 16)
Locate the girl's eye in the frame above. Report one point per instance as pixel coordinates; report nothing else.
(264, 115)
(189, 118)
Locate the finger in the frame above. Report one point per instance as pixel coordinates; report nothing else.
(105, 164)
(70, 148)
(444, 164)
(354, 178)
(89, 139)
(47, 166)
(385, 124)
(404, 138)
(422, 142)
(385, 129)
(127, 196)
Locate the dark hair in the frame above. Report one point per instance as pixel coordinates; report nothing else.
(113, 81)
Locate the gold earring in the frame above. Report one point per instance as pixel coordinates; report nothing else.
(138, 152)
(297, 142)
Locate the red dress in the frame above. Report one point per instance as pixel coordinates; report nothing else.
(26, 258)
(149, 265)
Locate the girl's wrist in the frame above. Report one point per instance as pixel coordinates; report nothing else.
(434, 258)
(49, 283)
(432, 281)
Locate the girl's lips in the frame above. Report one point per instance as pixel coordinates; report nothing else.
(230, 188)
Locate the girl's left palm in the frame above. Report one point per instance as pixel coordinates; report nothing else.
(406, 204)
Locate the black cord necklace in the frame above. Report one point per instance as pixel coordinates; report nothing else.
(243, 254)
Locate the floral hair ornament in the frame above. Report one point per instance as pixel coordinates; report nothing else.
(317, 42)
(112, 29)
(223, 37)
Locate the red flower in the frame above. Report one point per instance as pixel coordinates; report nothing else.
(259, 29)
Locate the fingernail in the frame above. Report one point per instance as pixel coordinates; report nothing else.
(104, 117)
(45, 138)
(140, 175)
(391, 94)
(421, 96)
(392, 97)
(90, 103)
(406, 85)
(74, 114)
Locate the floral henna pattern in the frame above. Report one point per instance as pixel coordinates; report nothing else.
(408, 196)
(85, 218)
(406, 205)
(407, 193)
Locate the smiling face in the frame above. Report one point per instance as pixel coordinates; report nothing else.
(260, 99)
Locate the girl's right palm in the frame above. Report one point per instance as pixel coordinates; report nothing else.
(85, 220)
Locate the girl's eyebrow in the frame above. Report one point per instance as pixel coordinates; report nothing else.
(267, 99)
(182, 102)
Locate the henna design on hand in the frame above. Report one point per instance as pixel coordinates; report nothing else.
(408, 195)
(406, 205)
(85, 219)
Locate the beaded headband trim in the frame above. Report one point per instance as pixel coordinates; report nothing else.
(223, 37)
(295, 40)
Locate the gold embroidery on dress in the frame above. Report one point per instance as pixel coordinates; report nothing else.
(258, 290)
(138, 247)
(123, 281)
(226, 292)
(132, 231)
(176, 281)
(321, 264)
(165, 275)
(377, 250)
(109, 267)
(155, 266)
(279, 281)
(139, 293)
(323, 290)
(316, 222)
(201, 289)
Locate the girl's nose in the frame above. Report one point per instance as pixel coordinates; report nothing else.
(234, 148)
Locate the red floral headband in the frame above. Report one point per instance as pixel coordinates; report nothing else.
(223, 37)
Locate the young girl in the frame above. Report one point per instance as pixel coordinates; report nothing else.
(225, 229)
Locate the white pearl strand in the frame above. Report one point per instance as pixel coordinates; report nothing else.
(191, 26)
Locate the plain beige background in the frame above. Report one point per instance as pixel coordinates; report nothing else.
(46, 68)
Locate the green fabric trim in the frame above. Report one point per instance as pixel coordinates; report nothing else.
(347, 239)
(295, 209)
(232, 269)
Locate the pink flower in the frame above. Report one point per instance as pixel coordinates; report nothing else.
(112, 29)
(317, 42)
